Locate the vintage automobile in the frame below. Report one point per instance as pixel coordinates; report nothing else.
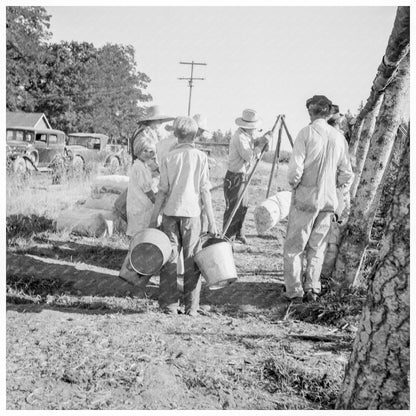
(33, 149)
(84, 148)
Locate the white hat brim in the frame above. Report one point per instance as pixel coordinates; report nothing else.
(247, 124)
(158, 117)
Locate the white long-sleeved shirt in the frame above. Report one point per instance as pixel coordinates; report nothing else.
(304, 172)
(241, 152)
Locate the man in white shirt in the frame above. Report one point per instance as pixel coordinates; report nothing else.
(318, 166)
(242, 152)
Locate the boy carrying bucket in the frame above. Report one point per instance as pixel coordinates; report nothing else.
(184, 181)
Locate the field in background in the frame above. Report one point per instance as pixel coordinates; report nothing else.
(78, 337)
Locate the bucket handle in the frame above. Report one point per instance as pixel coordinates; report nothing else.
(210, 235)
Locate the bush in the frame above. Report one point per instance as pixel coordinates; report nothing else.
(283, 157)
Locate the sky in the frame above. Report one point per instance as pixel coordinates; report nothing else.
(270, 59)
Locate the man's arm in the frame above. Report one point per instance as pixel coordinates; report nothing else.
(161, 195)
(297, 161)
(159, 202)
(244, 148)
(345, 174)
(207, 202)
(205, 192)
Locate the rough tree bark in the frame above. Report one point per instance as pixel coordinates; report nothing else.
(386, 192)
(356, 237)
(363, 144)
(377, 374)
(397, 48)
(391, 169)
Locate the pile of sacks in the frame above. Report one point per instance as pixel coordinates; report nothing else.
(100, 214)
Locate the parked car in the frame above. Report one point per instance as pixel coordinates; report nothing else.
(83, 148)
(33, 149)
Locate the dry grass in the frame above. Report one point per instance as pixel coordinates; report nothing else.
(67, 350)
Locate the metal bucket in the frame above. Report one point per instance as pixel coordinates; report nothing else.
(216, 263)
(149, 250)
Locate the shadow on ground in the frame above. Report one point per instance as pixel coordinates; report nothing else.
(42, 277)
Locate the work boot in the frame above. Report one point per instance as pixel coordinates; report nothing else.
(284, 299)
(310, 296)
(242, 238)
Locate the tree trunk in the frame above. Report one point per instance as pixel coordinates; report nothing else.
(387, 192)
(355, 240)
(397, 48)
(377, 374)
(368, 127)
(391, 169)
(355, 135)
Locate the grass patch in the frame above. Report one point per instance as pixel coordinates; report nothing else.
(287, 375)
(25, 226)
(333, 309)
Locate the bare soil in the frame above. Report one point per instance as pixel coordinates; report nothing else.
(79, 337)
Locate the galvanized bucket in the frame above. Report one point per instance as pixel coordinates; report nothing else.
(216, 263)
(149, 250)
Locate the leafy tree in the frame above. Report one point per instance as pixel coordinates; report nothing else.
(93, 89)
(78, 86)
(65, 99)
(117, 90)
(219, 137)
(26, 37)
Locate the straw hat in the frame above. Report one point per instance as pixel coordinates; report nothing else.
(249, 119)
(154, 113)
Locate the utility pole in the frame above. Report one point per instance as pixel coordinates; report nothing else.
(191, 79)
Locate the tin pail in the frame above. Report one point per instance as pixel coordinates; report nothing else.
(216, 263)
(149, 250)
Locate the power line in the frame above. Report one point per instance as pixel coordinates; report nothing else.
(192, 78)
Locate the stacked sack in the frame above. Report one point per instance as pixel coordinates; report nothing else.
(271, 211)
(97, 215)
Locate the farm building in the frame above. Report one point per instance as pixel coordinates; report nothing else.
(21, 119)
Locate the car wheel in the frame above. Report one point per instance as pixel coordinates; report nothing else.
(19, 166)
(34, 157)
(78, 164)
(113, 165)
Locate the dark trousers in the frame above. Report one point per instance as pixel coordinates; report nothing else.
(233, 186)
(184, 233)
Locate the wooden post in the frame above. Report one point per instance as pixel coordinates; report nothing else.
(287, 131)
(276, 157)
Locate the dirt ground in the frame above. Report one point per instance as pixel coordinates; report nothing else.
(79, 337)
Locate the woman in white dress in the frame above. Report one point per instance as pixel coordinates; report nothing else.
(140, 196)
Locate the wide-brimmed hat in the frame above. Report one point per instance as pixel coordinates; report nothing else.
(249, 119)
(154, 113)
